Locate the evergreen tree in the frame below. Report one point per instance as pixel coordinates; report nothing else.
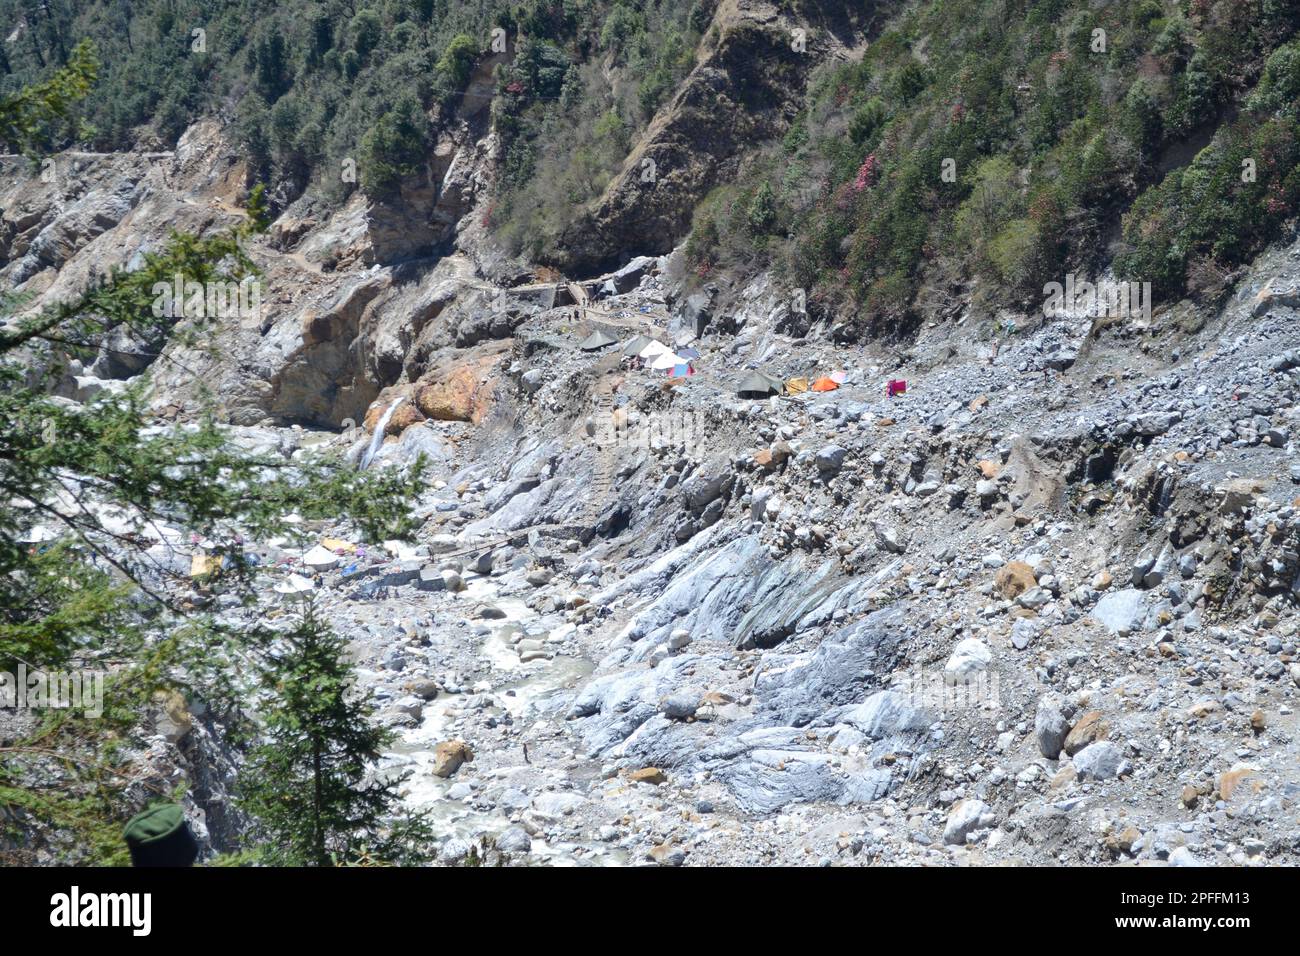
(28, 119)
(311, 787)
(393, 148)
(270, 66)
(94, 593)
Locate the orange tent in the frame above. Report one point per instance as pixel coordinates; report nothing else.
(825, 384)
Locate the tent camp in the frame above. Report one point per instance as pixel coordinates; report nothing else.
(758, 385)
(796, 386)
(597, 340)
(653, 350)
(825, 384)
(689, 353)
(683, 370)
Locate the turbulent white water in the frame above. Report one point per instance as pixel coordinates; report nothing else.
(518, 688)
(377, 440)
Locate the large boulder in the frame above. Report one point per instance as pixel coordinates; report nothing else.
(701, 490)
(1123, 611)
(629, 277)
(1099, 761)
(1086, 731)
(514, 840)
(831, 459)
(1150, 424)
(969, 658)
(1050, 727)
(1014, 578)
(454, 398)
(404, 416)
(449, 755)
(965, 818)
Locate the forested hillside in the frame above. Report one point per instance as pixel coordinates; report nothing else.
(998, 142)
(309, 84)
(1013, 142)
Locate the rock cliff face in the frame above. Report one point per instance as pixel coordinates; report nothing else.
(366, 297)
(746, 88)
(431, 207)
(325, 342)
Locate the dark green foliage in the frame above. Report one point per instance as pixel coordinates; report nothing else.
(311, 83)
(188, 475)
(1279, 87)
(39, 115)
(761, 211)
(366, 29)
(270, 70)
(1210, 211)
(1233, 197)
(341, 64)
(1097, 125)
(311, 788)
(89, 595)
(393, 148)
(1055, 133)
(454, 66)
(566, 130)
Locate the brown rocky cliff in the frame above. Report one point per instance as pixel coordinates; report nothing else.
(746, 88)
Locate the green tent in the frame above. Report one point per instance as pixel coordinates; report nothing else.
(636, 345)
(597, 340)
(759, 385)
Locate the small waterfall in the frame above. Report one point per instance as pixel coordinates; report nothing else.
(377, 440)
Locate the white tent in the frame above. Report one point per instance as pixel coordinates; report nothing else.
(653, 351)
(294, 585)
(320, 559)
(634, 346)
(666, 361)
